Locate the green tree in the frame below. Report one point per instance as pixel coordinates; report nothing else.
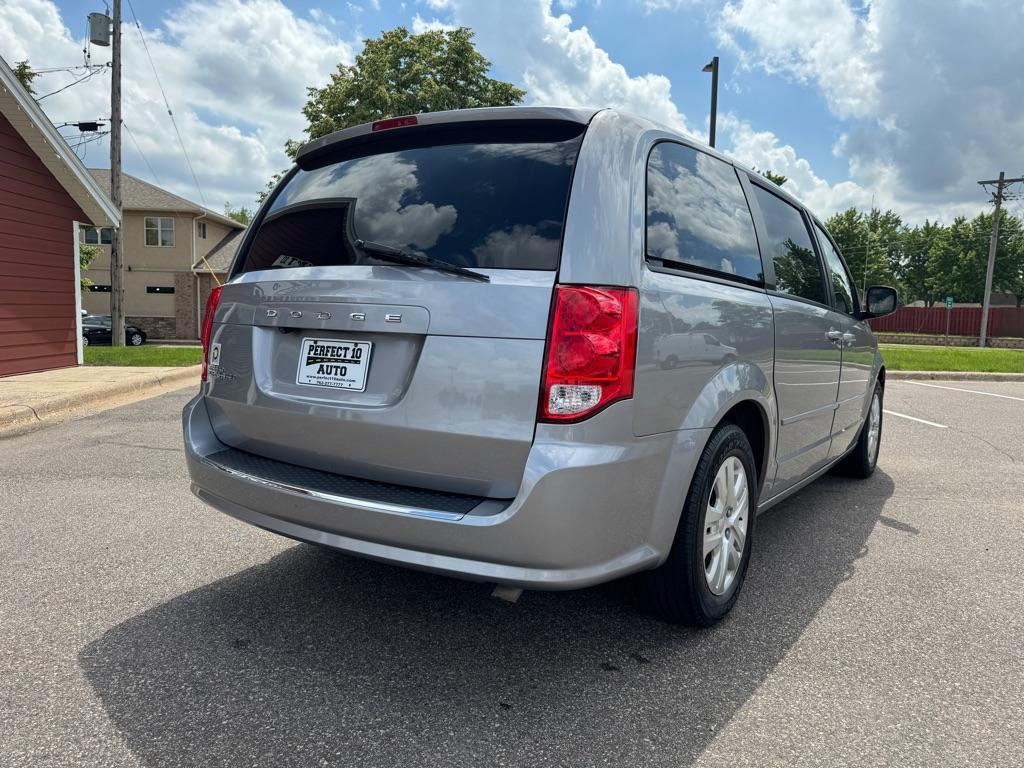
(242, 215)
(775, 178)
(1006, 274)
(403, 74)
(86, 254)
(400, 73)
(1013, 279)
(913, 270)
(25, 76)
(870, 243)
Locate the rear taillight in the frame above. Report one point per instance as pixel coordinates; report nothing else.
(211, 309)
(591, 351)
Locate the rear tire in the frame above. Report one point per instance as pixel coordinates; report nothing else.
(135, 339)
(699, 582)
(862, 460)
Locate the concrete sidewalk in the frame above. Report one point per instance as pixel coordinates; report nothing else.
(34, 400)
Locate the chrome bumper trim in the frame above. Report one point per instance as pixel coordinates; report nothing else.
(348, 501)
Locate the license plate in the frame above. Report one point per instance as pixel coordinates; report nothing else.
(334, 363)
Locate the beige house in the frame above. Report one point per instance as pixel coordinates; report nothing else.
(163, 236)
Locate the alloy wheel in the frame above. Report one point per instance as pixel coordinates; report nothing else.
(725, 526)
(874, 428)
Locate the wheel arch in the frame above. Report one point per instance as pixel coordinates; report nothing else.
(751, 417)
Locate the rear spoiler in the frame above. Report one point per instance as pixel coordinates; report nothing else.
(312, 152)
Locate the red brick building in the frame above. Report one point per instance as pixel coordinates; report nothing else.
(45, 195)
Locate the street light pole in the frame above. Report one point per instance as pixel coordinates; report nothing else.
(712, 67)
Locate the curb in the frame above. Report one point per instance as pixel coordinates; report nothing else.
(20, 419)
(952, 376)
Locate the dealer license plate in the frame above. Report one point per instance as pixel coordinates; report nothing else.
(334, 363)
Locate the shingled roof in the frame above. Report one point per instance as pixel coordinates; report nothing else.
(221, 255)
(139, 195)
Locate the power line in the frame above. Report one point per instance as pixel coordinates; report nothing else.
(141, 154)
(167, 104)
(74, 82)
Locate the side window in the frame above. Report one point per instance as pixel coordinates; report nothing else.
(838, 278)
(797, 269)
(160, 231)
(697, 214)
(94, 236)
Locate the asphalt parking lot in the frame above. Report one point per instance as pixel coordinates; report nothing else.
(880, 624)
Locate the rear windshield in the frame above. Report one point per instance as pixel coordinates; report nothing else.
(473, 203)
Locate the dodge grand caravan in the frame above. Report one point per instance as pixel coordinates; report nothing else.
(539, 347)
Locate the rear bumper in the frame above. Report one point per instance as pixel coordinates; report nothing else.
(589, 509)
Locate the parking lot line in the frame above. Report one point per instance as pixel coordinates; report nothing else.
(972, 391)
(914, 418)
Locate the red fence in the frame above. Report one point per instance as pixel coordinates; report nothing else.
(963, 321)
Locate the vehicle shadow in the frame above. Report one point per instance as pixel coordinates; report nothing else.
(314, 658)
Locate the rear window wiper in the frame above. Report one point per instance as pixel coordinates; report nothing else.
(402, 256)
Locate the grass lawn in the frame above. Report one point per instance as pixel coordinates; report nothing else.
(900, 357)
(144, 355)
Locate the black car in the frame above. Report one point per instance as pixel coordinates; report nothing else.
(96, 330)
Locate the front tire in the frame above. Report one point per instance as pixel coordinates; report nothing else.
(863, 459)
(700, 581)
(135, 339)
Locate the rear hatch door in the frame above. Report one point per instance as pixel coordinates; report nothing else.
(332, 357)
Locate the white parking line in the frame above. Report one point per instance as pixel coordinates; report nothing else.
(914, 418)
(972, 391)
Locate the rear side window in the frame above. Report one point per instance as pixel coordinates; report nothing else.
(697, 214)
(797, 269)
(476, 204)
(839, 279)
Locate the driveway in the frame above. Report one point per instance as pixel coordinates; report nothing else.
(880, 624)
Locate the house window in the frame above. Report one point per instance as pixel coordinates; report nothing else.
(201, 229)
(98, 235)
(159, 289)
(160, 231)
(99, 288)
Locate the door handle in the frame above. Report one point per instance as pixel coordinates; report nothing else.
(834, 336)
(848, 339)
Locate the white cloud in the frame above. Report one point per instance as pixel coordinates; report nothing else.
(820, 40)
(561, 64)
(652, 6)
(764, 151)
(236, 101)
(421, 25)
(930, 99)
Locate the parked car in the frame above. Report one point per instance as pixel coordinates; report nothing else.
(96, 330)
(441, 345)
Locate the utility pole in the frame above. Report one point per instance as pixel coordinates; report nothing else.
(712, 67)
(116, 266)
(1001, 183)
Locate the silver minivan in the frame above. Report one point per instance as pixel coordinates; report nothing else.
(540, 347)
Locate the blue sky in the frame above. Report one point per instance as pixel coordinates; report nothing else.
(854, 100)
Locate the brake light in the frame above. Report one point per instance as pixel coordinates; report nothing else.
(393, 122)
(591, 351)
(207, 332)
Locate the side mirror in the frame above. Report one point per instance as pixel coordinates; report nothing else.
(880, 300)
